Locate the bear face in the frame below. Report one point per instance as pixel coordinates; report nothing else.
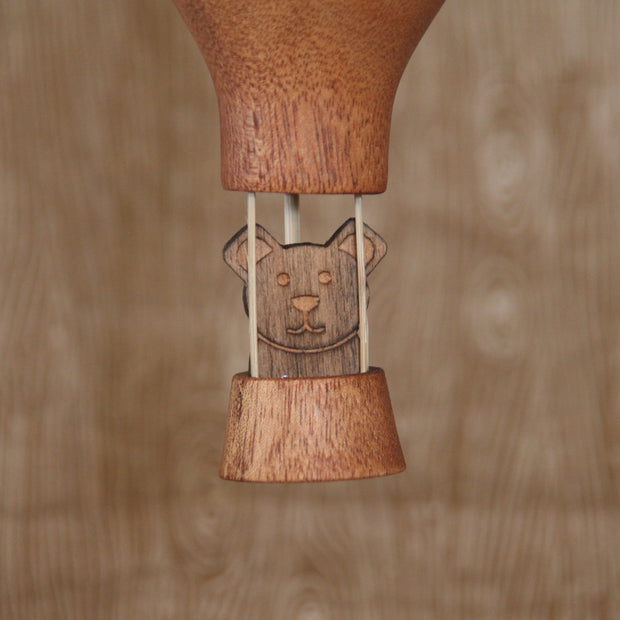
(307, 305)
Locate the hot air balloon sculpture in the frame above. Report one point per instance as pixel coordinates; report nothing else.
(305, 91)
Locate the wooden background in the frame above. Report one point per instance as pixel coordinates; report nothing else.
(496, 315)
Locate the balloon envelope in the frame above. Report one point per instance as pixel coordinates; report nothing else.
(306, 87)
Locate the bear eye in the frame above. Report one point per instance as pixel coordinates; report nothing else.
(325, 277)
(283, 279)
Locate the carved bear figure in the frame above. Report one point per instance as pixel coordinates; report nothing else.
(306, 294)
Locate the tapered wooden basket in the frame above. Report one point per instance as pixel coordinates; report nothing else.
(311, 429)
(305, 91)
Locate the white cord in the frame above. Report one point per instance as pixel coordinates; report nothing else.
(291, 218)
(251, 290)
(361, 284)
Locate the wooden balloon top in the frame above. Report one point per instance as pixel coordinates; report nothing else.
(306, 87)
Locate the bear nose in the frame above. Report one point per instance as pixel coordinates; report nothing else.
(305, 303)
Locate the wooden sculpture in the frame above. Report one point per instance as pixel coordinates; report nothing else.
(307, 300)
(305, 91)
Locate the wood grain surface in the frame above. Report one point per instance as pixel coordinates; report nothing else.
(306, 87)
(495, 315)
(307, 300)
(310, 429)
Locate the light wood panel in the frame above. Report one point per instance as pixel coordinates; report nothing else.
(498, 327)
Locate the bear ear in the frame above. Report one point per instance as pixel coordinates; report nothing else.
(236, 250)
(375, 247)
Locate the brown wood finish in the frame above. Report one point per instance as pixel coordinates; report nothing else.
(307, 304)
(306, 87)
(495, 316)
(311, 429)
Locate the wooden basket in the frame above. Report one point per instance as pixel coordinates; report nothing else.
(310, 429)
